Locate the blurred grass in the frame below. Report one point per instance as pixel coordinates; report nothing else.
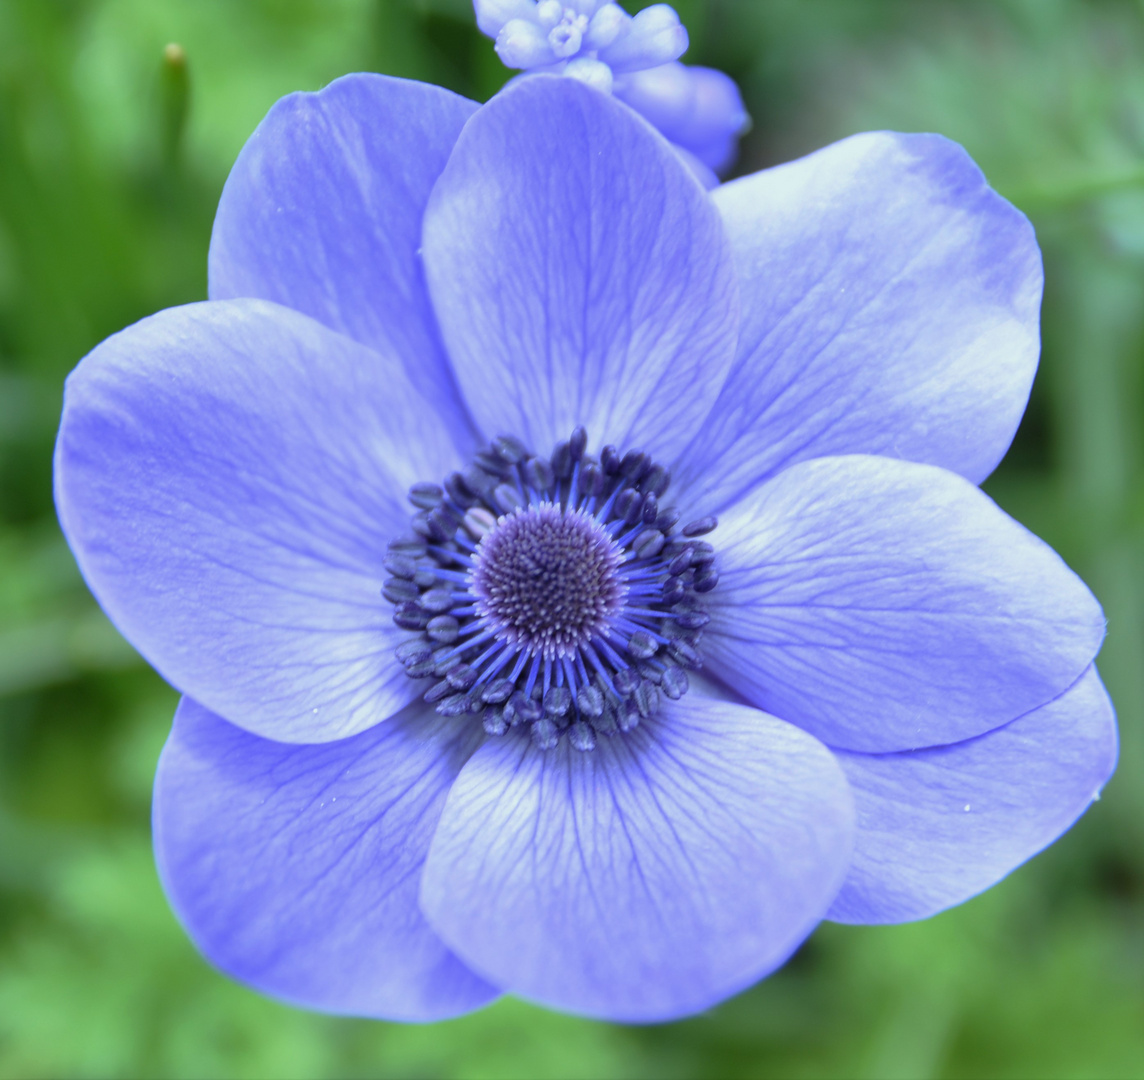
(110, 166)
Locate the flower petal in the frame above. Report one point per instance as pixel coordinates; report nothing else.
(653, 37)
(649, 878)
(936, 827)
(322, 213)
(697, 108)
(228, 475)
(890, 306)
(296, 868)
(521, 43)
(493, 14)
(883, 605)
(579, 273)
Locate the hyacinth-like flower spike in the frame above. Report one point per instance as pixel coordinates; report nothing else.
(577, 581)
(698, 109)
(591, 40)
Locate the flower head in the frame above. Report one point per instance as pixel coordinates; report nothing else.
(577, 581)
(697, 108)
(591, 40)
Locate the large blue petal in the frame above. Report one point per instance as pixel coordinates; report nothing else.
(322, 212)
(296, 868)
(228, 475)
(579, 273)
(938, 826)
(884, 605)
(890, 306)
(649, 878)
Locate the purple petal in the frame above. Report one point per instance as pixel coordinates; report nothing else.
(653, 37)
(228, 475)
(608, 23)
(890, 306)
(703, 173)
(322, 213)
(296, 868)
(579, 272)
(590, 72)
(883, 605)
(649, 878)
(521, 43)
(493, 14)
(936, 827)
(697, 108)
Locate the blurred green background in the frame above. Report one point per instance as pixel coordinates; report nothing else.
(110, 167)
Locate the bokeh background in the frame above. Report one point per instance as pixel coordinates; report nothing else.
(111, 163)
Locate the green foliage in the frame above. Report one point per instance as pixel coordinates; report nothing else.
(112, 156)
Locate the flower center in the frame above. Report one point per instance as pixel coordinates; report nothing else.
(548, 579)
(566, 27)
(551, 593)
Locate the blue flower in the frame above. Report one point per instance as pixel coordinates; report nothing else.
(588, 39)
(664, 501)
(697, 108)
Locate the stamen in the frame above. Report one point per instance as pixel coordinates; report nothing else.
(551, 594)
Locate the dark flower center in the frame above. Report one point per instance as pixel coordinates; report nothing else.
(552, 593)
(547, 579)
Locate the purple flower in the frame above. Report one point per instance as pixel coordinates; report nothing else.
(423, 428)
(699, 109)
(590, 40)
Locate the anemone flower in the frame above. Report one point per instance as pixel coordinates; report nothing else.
(578, 582)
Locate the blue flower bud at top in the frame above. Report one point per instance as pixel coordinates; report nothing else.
(697, 108)
(634, 57)
(654, 36)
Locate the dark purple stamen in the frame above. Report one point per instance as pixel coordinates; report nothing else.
(551, 593)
